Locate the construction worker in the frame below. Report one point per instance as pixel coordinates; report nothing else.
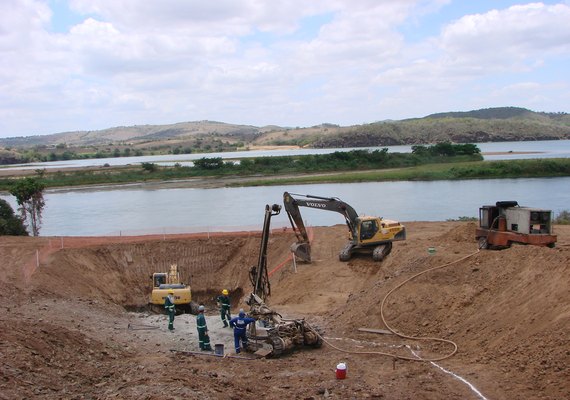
(170, 309)
(240, 324)
(224, 304)
(203, 338)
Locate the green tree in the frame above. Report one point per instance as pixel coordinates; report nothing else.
(10, 224)
(563, 218)
(29, 193)
(209, 163)
(150, 167)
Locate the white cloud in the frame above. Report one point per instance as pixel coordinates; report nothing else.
(506, 38)
(245, 61)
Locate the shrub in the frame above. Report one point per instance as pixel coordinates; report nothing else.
(150, 167)
(563, 218)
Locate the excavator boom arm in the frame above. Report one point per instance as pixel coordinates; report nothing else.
(293, 201)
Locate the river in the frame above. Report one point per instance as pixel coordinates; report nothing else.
(137, 210)
(143, 210)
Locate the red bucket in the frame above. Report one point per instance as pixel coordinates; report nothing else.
(341, 371)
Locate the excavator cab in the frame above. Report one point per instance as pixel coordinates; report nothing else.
(159, 278)
(368, 228)
(378, 230)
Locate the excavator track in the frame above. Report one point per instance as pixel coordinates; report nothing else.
(346, 253)
(380, 252)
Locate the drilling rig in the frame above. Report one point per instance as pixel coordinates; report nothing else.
(272, 335)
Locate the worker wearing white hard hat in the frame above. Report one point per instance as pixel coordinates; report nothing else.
(203, 337)
(170, 309)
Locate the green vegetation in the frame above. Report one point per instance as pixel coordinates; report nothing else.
(439, 162)
(10, 224)
(356, 160)
(433, 172)
(61, 152)
(149, 167)
(462, 219)
(563, 218)
(30, 198)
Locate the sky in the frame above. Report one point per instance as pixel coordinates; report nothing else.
(83, 65)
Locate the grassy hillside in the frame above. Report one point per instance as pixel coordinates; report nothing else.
(487, 125)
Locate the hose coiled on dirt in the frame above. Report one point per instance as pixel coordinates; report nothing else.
(446, 341)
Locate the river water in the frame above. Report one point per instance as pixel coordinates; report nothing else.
(135, 210)
(495, 151)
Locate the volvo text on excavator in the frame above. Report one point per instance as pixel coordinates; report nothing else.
(273, 335)
(366, 233)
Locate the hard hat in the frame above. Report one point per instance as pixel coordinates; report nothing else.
(170, 291)
(241, 312)
(201, 308)
(225, 291)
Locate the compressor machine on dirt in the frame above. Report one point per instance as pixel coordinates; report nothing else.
(506, 222)
(273, 335)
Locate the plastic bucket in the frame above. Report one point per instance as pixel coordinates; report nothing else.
(341, 371)
(219, 349)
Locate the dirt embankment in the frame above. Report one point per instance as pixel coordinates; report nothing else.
(65, 328)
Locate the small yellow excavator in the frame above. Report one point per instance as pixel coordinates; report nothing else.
(162, 283)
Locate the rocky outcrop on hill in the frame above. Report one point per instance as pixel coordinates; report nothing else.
(457, 129)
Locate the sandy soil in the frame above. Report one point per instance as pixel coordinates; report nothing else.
(74, 324)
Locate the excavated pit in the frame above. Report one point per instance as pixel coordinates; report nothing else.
(69, 330)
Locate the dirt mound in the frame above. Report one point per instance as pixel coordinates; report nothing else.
(120, 273)
(65, 329)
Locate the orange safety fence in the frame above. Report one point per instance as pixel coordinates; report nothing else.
(54, 244)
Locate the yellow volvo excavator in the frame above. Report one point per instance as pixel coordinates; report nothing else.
(366, 234)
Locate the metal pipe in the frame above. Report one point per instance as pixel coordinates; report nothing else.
(197, 353)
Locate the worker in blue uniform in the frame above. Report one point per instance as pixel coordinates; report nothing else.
(240, 324)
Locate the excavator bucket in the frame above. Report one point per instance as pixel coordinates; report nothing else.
(302, 251)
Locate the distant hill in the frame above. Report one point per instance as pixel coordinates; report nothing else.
(485, 125)
(135, 133)
(500, 124)
(490, 113)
